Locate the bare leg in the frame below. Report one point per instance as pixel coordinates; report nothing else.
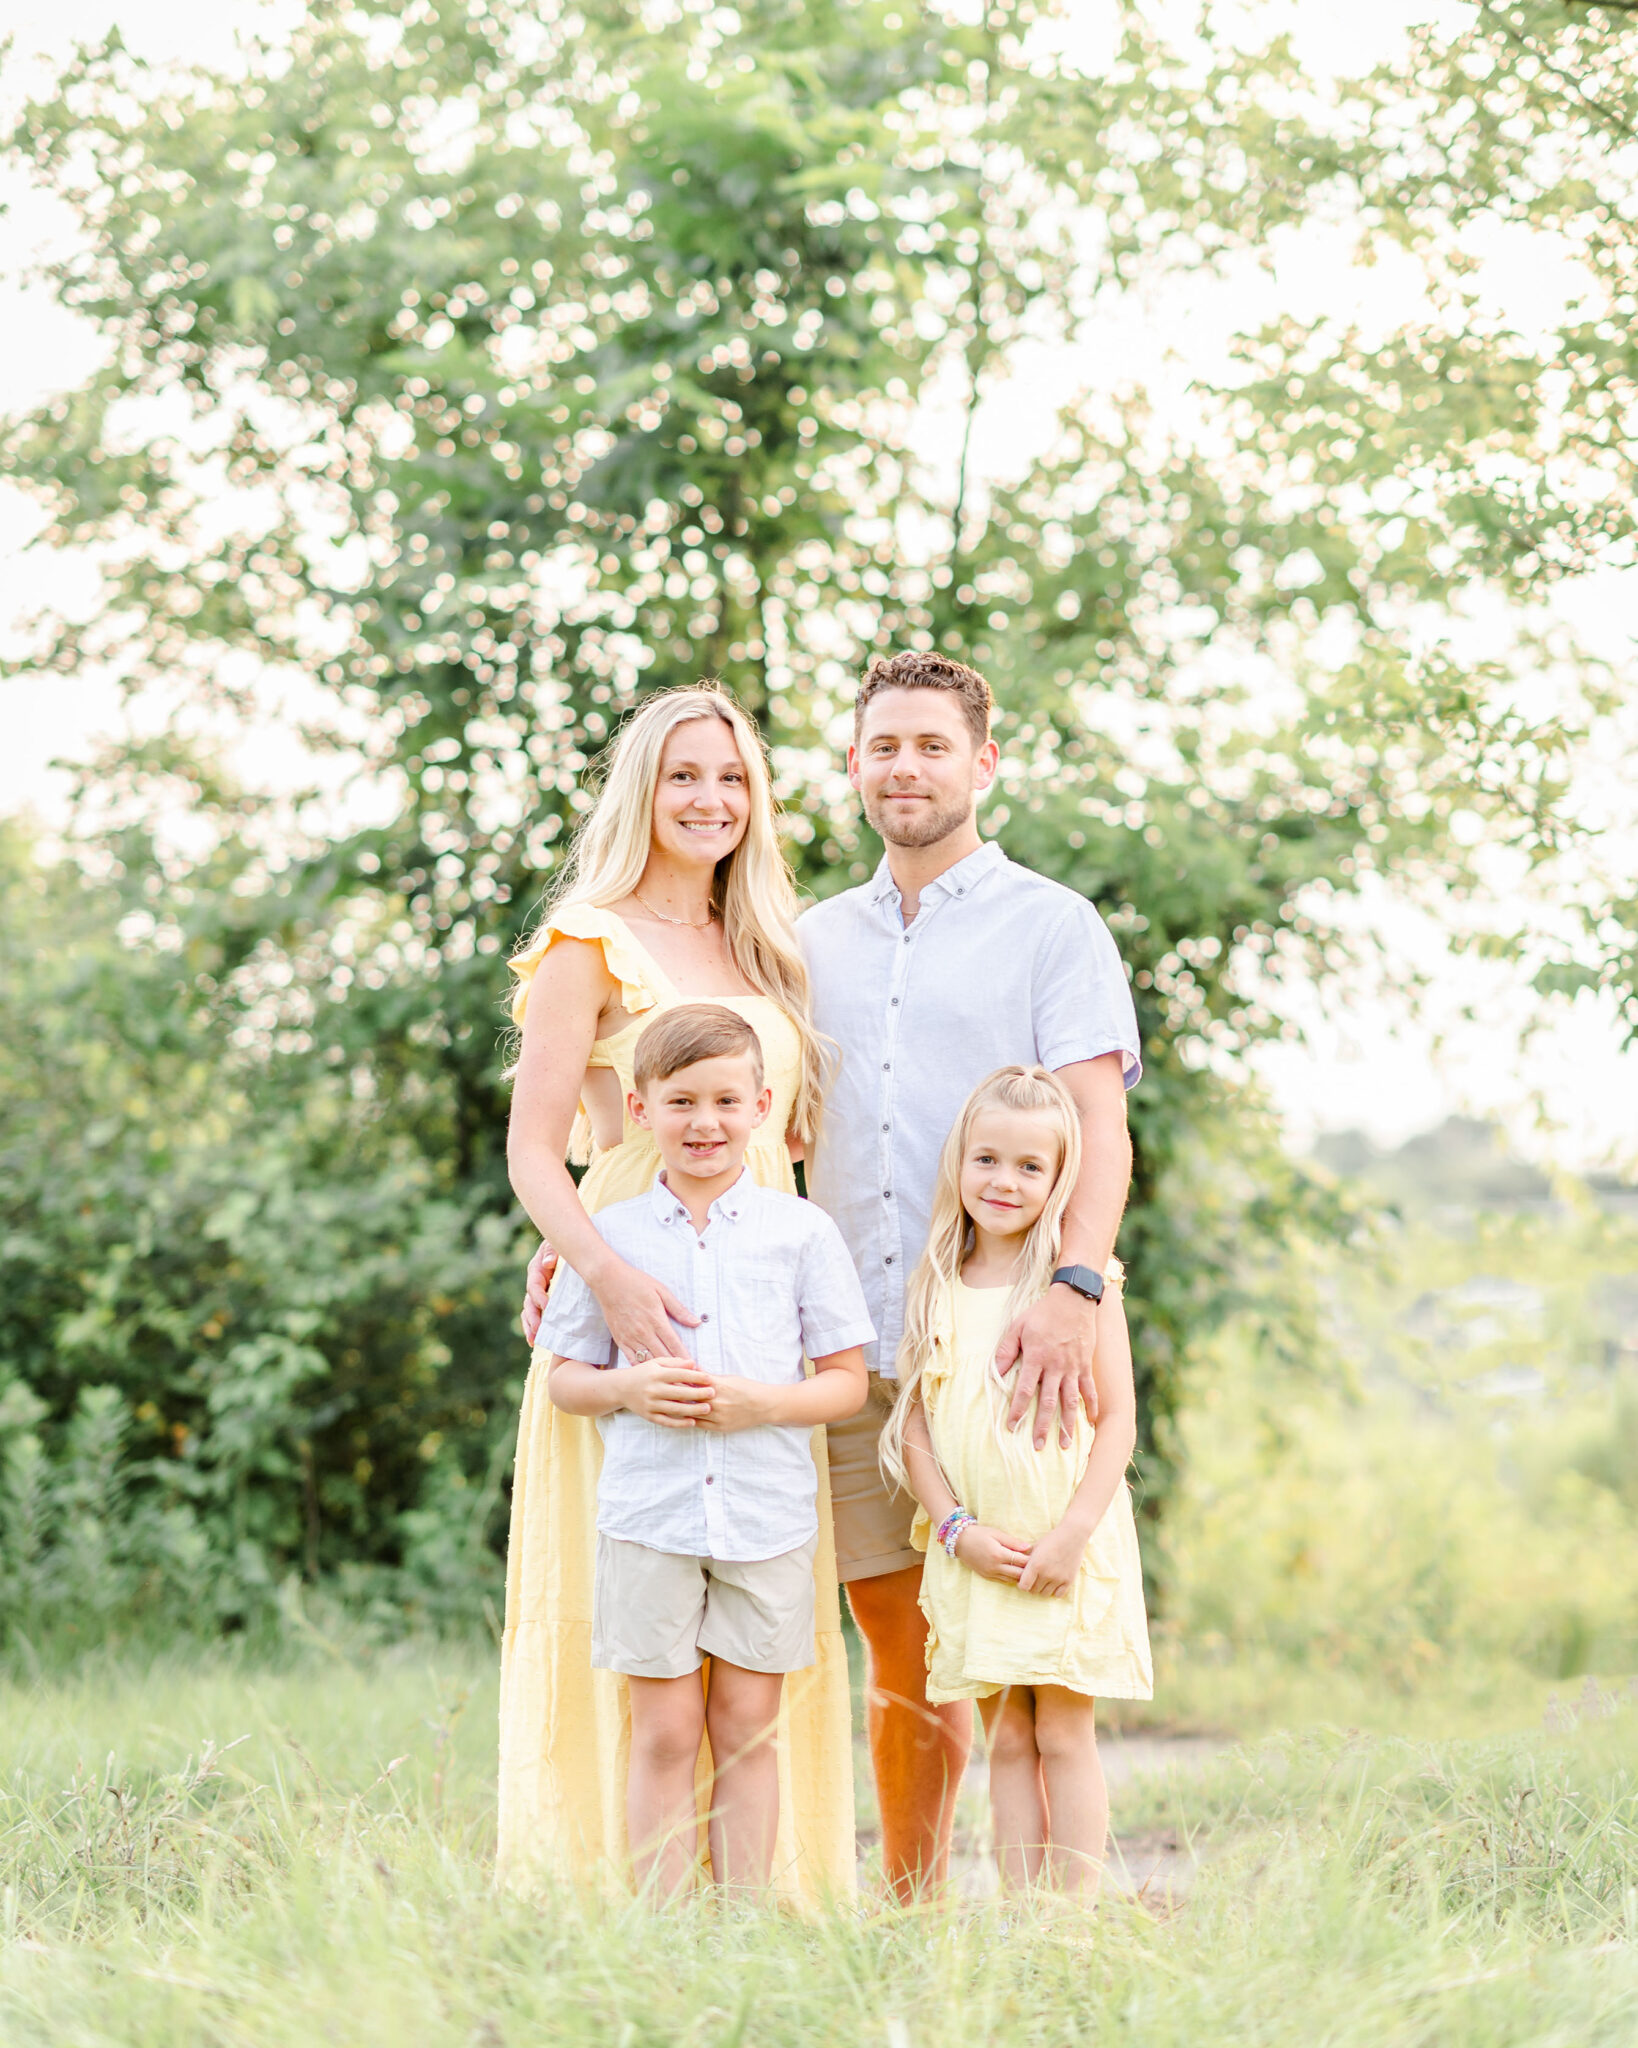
(1017, 1799)
(917, 1751)
(667, 1720)
(1077, 1798)
(741, 1712)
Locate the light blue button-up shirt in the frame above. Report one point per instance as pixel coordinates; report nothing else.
(771, 1282)
(999, 966)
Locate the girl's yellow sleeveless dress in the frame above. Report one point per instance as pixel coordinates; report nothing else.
(565, 1728)
(983, 1634)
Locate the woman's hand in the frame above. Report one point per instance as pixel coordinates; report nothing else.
(536, 1287)
(991, 1554)
(640, 1312)
(669, 1390)
(1054, 1562)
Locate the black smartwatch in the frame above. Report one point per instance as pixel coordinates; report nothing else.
(1086, 1280)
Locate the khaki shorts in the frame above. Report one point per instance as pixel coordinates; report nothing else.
(872, 1520)
(658, 1615)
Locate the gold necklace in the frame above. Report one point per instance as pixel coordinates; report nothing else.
(710, 915)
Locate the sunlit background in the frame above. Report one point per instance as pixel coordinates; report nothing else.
(259, 1262)
(1474, 1038)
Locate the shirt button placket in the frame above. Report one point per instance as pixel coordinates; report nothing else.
(708, 1350)
(895, 1010)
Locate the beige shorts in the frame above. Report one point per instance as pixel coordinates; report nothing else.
(658, 1615)
(872, 1519)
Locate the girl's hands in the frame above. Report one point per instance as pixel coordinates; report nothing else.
(670, 1391)
(991, 1554)
(1053, 1562)
(640, 1313)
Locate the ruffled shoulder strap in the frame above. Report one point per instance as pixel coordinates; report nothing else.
(622, 956)
(941, 1353)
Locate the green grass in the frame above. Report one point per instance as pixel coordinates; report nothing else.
(327, 1879)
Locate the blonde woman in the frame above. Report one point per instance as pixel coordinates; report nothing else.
(1033, 1590)
(676, 891)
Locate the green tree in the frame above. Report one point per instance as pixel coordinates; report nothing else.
(494, 370)
(1472, 451)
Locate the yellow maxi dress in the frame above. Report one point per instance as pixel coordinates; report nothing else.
(984, 1634)
(565, 1728)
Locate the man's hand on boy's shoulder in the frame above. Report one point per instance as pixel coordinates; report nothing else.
(1051, 1347)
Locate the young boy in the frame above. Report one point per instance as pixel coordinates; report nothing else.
(706, 1516)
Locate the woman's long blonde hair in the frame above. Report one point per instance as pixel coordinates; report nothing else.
(950, 1237)
(754, 891)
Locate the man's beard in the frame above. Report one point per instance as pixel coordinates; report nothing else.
(926, 825)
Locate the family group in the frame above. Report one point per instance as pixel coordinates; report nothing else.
(916, 1383)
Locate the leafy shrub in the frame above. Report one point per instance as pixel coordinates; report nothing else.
(247, 1324)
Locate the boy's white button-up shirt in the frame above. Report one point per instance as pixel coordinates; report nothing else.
(772, 1283)
(999, 967)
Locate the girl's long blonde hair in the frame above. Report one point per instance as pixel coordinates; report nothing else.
(754, 892)
(950, 1237)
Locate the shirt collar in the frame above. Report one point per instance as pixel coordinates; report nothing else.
(966, 874)
(730, 1203)
(882, 885)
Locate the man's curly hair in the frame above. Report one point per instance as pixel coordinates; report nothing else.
(928, 671)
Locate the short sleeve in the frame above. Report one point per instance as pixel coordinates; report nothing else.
(622, 957)
(1080, 999)
(830, 1300)
(573, 1325)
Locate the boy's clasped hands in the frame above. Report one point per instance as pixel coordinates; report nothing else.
(679, 1394)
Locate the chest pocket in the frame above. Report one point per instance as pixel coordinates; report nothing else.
(765, 1332)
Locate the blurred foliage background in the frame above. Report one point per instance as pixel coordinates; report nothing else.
(1444, 1516)
(489, 366)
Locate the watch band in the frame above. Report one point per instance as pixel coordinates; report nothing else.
(1086, 1280)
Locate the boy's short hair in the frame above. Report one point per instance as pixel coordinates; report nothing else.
(691, 1032)
(917, 670)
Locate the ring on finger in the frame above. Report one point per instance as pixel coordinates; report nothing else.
(641, 1357)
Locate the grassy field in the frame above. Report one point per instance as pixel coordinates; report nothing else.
(199, 1851)
(1388, 1555)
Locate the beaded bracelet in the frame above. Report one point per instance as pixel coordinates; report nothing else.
(949, 1530)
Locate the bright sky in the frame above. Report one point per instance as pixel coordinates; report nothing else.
(1373, 1058)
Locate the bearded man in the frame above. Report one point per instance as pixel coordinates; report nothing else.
(949, 962)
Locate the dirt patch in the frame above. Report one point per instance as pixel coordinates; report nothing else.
(1150, 1864)
(1128, 1757)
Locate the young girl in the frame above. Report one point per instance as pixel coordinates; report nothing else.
(1032, 1589)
